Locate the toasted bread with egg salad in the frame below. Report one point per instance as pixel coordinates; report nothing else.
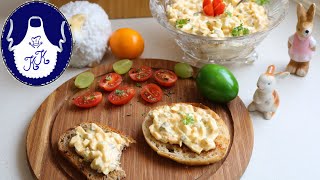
(83, 147)
(190, 134)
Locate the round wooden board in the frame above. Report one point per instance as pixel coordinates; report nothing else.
(56, 115)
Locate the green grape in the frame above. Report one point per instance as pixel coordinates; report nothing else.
(84, 80)
(122, 66)
(183, 70)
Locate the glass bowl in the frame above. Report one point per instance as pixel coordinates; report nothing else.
(200, 50)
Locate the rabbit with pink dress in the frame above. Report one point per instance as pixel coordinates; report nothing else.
(301, 44)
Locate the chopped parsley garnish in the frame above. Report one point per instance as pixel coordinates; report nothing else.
(229, 13)
(168, 92)
(240, 31)
(246, 31)
(138, 85)
(196, 14)
(262, 2)
(89, 98)
(188, 119)
(108, 78)
(119, 92)
(92, 97)
(181, 22)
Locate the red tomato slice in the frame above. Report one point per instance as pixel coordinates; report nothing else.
(205, 3)
(122, 95)
(208, 10)
(140, 74)
(151, 93)
(110, 81)
(88, 100)
(219, 9)
(165, 77)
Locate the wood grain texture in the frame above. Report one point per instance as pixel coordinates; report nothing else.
(57, 114)
(118, 8)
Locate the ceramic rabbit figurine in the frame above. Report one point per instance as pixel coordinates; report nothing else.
(302, 45)
(266, 98)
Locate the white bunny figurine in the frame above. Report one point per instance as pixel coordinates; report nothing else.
(266, 98)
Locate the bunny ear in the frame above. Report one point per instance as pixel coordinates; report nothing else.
(271, 69)
(301, 12)
(311, 12)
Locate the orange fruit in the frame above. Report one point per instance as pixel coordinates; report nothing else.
(126, 43)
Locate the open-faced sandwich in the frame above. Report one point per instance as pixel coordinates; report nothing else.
(190, 134)
(95, 150)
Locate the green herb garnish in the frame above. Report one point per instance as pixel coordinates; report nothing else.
(240, 31)
(229, 13)
(262, 2)
(181, 22)
(119, 92)
(108, 78)
(138, 85)
(196, 14)
(168, 92)
(188, 119)
(246, 31)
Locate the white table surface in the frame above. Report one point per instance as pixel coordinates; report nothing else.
(285, 147)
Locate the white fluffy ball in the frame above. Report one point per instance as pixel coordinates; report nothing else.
(90, 41)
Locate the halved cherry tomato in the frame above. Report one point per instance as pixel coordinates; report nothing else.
(165, 77)
(219, 9)
(88, 100)
(208, 10)
(205, 3)
(110, 81)
(140, 74)
(215, 3)
(122, 95)
(151, 93)
(215, 8)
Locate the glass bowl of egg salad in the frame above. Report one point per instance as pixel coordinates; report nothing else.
(219, 31)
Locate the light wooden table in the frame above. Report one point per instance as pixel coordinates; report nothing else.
(285, 148)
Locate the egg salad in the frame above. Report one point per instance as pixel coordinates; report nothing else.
(102, 149)
(237, 20)
(184, 124)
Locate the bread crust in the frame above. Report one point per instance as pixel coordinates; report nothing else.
(183, 154)
(84, 167)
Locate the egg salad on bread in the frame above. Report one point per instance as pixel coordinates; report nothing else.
(102, 149)
(188, 133)
(184, 124)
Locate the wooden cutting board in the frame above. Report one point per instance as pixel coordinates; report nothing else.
(57, 114)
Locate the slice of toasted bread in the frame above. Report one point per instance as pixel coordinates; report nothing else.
(185, 155)
(77, 161)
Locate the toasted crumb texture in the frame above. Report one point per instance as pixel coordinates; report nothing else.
(183, 154)
(77, 161)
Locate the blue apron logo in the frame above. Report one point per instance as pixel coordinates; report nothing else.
(36, 43)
